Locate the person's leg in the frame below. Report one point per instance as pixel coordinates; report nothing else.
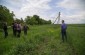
(62, 36)
(26, 32)
(19, 33)
(65, 35)
(7, 33)
(4, 33)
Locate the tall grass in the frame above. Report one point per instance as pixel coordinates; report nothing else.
(44, 40)
(77, 38)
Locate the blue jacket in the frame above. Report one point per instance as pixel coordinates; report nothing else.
(63, 27)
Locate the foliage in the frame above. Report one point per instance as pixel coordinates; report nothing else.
(5, 15)
(36, 20)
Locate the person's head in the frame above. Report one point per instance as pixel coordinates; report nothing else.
(62, 21)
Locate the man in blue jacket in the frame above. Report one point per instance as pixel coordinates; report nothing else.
(63, 31)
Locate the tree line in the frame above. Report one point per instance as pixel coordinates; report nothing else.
(7, 16)
(36, 20)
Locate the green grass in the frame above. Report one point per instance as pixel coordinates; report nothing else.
(76, 35)
(45, 40)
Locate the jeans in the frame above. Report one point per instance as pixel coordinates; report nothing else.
(64, 35)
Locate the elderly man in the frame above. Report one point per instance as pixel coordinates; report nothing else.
(63, 31)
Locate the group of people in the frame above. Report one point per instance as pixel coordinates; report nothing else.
(17, 27)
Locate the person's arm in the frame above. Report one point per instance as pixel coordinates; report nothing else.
(62, 27)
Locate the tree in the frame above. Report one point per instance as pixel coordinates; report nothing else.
(5, 15)
(36, 20)
(27, 19)
(22, 21)
(17, 20)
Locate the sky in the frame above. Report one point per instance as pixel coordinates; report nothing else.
(72, 11)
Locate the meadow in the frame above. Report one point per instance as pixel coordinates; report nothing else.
(45, 40)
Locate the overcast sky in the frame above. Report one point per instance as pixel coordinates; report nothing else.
(72, 11)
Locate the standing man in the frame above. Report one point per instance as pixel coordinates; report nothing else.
(25, 28)
(14, 26)
(18, 29)
(63, 31)
(5, 29)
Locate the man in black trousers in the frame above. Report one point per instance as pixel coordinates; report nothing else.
(14, 27)
(18, 29)
(25, 28)
(63, 31)
(5, 29)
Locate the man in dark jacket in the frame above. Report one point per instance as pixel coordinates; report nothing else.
(18, 29)
(63, 30)
(5, 29)
(25, 28)
(14, 26)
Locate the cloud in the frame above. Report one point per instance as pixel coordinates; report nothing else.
(77, 18)
(22, 8)
(72, 4)
(72, 11)
(31, 7)
(75, 10)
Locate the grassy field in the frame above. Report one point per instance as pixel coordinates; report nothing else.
(45, 40)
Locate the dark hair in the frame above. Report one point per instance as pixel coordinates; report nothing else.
(62, 21)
